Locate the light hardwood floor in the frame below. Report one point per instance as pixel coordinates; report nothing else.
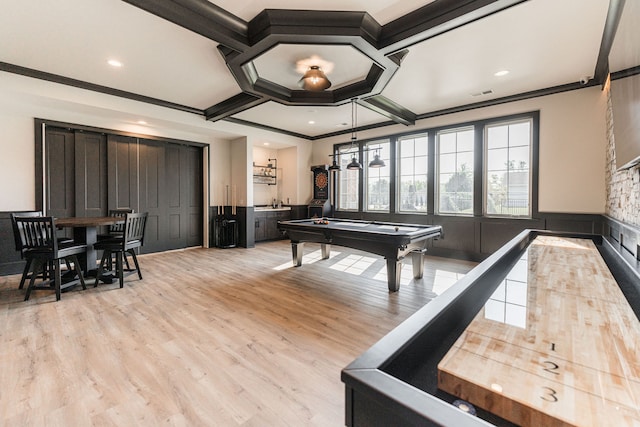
(209, 337)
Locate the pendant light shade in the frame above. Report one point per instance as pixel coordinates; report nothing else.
(314, 80)
(376, 162)
(355, 164)
(335, 166)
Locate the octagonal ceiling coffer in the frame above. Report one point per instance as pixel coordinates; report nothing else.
(281, 39)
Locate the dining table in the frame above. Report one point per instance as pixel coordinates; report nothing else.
(85, 230)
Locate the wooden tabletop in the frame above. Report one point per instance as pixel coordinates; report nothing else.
(88, 221)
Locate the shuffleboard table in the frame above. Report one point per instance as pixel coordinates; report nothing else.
(393, 241)
(544, 332)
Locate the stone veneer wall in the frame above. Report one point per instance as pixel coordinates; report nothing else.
(623, 188)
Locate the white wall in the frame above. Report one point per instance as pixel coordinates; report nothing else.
(572, 146)
(572, 140)
(288, 180)
(264, 194)
(22, 99)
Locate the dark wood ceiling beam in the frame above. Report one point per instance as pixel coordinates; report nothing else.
(56, 78)
(434, 19)
(386, 107)
(608, 35)
(313, 23)
(201, 17)
(235, 104)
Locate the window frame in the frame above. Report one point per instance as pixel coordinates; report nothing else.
(479, 186)
(348, 150)
(399, 173)
(437, 154)
(485, 171)
(369, 152)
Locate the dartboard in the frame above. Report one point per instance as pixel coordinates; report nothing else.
(321, 180)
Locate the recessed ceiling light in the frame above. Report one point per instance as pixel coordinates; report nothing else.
(265, 143)
(501, 73)
(311, 122)
(142, 122)
(114, 63)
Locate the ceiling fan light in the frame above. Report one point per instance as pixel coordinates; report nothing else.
(314, 80)
(377, 162)
(354, 165)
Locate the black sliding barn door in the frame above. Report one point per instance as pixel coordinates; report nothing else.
(122, 165)
(194, 190)
(152, 194)
(60, 196)
(171, 191)
(90, 173)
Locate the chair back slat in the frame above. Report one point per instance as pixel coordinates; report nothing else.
(37, 233)
(118, 213)
(17, 229)
(135, 224)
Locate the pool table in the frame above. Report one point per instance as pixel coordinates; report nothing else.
(393, 241)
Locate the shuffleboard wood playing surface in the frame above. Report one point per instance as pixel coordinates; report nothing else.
(557, 344)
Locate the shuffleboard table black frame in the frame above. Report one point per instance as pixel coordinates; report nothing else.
(393, 241)
(395, 381)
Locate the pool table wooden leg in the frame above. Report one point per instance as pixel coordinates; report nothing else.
(394, 268)
(297, 249)
(326, 250)
(417, 261)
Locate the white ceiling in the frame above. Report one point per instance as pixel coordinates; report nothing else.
(543, 43)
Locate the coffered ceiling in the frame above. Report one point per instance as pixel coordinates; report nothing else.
(240, 61)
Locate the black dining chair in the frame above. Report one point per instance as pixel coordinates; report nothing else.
(132, 238)
(18, 241)
(41, 249)
(115, 230)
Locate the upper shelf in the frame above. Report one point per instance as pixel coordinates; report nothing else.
(264, 174)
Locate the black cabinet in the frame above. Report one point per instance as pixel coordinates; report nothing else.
(266, 223)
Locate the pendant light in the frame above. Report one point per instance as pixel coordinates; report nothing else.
(314, 80)
(355, 164)
(377, 162)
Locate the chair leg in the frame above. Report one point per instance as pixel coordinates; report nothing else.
(135, 261)
(119, 265)
(58, 279)
(76, 265)
(36, 266)
(126, 260)
(25, 272)
(106, 255)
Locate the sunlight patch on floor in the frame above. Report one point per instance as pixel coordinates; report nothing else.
(309, 258)
(354, 264)
(444, 280)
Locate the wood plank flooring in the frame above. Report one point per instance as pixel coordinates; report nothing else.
(209, 337)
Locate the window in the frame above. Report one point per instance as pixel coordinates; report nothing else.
(378, 179)
(487, 167)
(413, 163)
(455, 171)
(508, 175)
(348, 180)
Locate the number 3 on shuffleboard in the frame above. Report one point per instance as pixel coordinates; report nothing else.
(550, 395)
